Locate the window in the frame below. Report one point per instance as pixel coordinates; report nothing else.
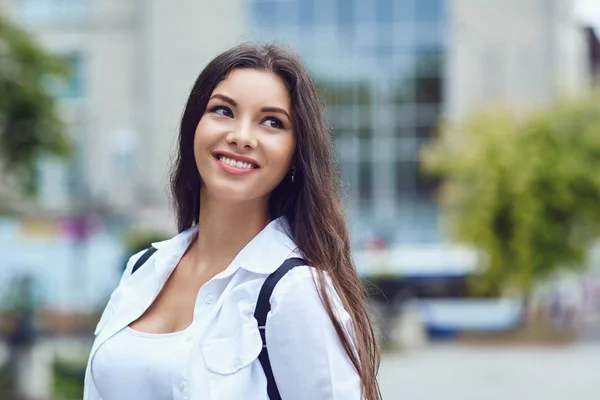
(403, 91)
(385, 44)
(404, 10)
(345, 13)
(71, 86)
(288, 13)
(426, 131)
(341, 133)
(306, 12)
(363, 133)
(405, 115)
(405, 179)
(331, 115)
(429, 63)
(384, 10)
(427, 114)
(428, 90)
(264, 13)
(365, 177)
(348, 175)
(363, 93)
(406, 145)
(366, 11)
(404, 37)
(430, 36)
(429, 10)
(347, 118)
(364, 120)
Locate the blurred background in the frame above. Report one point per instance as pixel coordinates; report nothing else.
(468, 139)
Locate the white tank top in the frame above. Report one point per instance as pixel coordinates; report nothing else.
(136, 365)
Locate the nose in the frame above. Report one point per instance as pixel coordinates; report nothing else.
(242, 136)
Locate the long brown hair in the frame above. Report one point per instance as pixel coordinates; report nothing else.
(311, 203)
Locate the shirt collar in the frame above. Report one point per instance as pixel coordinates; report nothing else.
(263, 254)
(267, 250)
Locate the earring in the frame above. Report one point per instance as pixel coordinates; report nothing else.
(293, 173)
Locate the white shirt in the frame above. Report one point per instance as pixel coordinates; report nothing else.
(137, 365)
(220, 348)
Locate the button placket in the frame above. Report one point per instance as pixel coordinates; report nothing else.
(183, 386)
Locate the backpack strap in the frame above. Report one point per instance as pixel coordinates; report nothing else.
(147, 254)
(263, 306)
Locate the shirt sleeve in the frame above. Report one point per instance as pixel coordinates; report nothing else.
(307, 357)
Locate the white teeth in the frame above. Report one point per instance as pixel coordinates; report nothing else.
(233, 163)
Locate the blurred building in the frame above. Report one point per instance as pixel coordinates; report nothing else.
(519, 53)
(380, 70)
(386, 69)
(132, 66)
(389, 70)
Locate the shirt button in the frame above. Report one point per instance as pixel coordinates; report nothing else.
(182, 386)
(209, 299)
(189, 338)
(237, 363)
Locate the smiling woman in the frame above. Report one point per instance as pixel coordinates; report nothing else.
(256, 298)
(246, 132)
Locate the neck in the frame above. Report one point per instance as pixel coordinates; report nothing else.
(224, 228)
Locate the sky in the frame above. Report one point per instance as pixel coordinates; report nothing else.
(589, 12)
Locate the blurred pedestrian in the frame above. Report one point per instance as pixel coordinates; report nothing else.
(255, 190)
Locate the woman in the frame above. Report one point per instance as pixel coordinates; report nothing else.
(254, 185)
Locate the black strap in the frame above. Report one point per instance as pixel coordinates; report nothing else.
(147, 254)
(263, 306)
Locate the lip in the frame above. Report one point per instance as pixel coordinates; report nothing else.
(234, 170)
(236, 158)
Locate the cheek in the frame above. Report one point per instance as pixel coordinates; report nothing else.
(201, 139)
(283, 153)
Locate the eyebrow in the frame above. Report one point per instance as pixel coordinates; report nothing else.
(234, 103)
(276, 110)
(226, 99)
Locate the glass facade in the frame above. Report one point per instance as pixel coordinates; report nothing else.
(379, 68)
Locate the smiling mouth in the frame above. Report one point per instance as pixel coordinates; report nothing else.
(235, 163)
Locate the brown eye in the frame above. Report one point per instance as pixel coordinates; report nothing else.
(222, 110)
(273, 123)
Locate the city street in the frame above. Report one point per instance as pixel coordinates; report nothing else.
(458, 372)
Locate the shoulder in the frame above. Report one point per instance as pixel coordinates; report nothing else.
(299, 293)
(297, 281)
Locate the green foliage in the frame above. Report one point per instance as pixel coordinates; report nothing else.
(524, 190)
(30, 125)
(68, 380)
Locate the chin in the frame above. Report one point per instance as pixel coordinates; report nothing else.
(231, 192)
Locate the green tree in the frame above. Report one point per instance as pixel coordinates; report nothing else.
(30, 124)
(522, 189)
